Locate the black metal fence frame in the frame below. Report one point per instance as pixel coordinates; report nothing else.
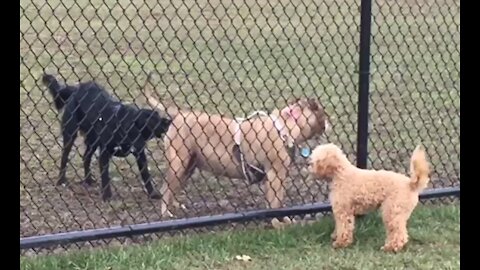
(196, 222)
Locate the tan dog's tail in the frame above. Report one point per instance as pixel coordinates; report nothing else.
(153, 101)
(419, 170)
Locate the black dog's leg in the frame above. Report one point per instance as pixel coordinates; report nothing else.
(105, 157)
(70, 131)
(87, 160)
(146, 177)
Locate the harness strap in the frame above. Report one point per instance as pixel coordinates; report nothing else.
(237, 138)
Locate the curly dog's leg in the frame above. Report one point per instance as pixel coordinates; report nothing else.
(397, 235)
(333, 236)
(344, 227)
(395, 217)
(396, 228)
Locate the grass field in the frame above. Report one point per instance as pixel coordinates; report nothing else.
(233, 57)
(434, 244)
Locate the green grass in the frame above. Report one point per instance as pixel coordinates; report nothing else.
(434, 244)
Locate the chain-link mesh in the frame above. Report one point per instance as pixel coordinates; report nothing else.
(415, 86)
(231, 57)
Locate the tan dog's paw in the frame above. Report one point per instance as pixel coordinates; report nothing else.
(179, 205)
(167, 214)
(288, 221)
(277, 224)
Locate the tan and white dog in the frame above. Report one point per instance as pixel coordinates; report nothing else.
(253, 148)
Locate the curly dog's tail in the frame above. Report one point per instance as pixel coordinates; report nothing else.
(419, 170)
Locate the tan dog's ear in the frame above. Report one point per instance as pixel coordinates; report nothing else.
(313, 104)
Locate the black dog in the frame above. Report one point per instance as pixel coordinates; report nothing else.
(117, 129)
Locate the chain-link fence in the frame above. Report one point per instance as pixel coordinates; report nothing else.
(230, 58)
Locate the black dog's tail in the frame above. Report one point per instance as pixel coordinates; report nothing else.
(59, 93)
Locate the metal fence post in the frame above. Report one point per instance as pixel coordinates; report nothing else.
(364, 81)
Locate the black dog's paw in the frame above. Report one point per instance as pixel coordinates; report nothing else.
(107, 196)
(88, 182)
(155, 195)
(62, 181)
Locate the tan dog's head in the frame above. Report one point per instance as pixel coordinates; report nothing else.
(326, 160)
(304, 119)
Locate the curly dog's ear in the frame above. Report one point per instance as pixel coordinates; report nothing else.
(320, 168)
(332, 163)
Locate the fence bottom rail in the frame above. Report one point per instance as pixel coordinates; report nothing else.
(195, 222)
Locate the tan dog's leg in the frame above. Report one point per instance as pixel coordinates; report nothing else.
(275, 191)
(177, 172)
(344, 227)
(171, 183)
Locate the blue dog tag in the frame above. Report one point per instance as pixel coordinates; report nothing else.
(305, 152)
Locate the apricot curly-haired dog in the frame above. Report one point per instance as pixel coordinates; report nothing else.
(355, 191)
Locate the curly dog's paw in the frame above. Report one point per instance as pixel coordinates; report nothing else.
(341, 244)
(391, 248)
(333, 236)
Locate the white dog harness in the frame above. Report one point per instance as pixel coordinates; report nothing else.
(237, 138)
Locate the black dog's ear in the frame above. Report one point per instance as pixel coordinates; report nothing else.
(151, 123)
(145, 116)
